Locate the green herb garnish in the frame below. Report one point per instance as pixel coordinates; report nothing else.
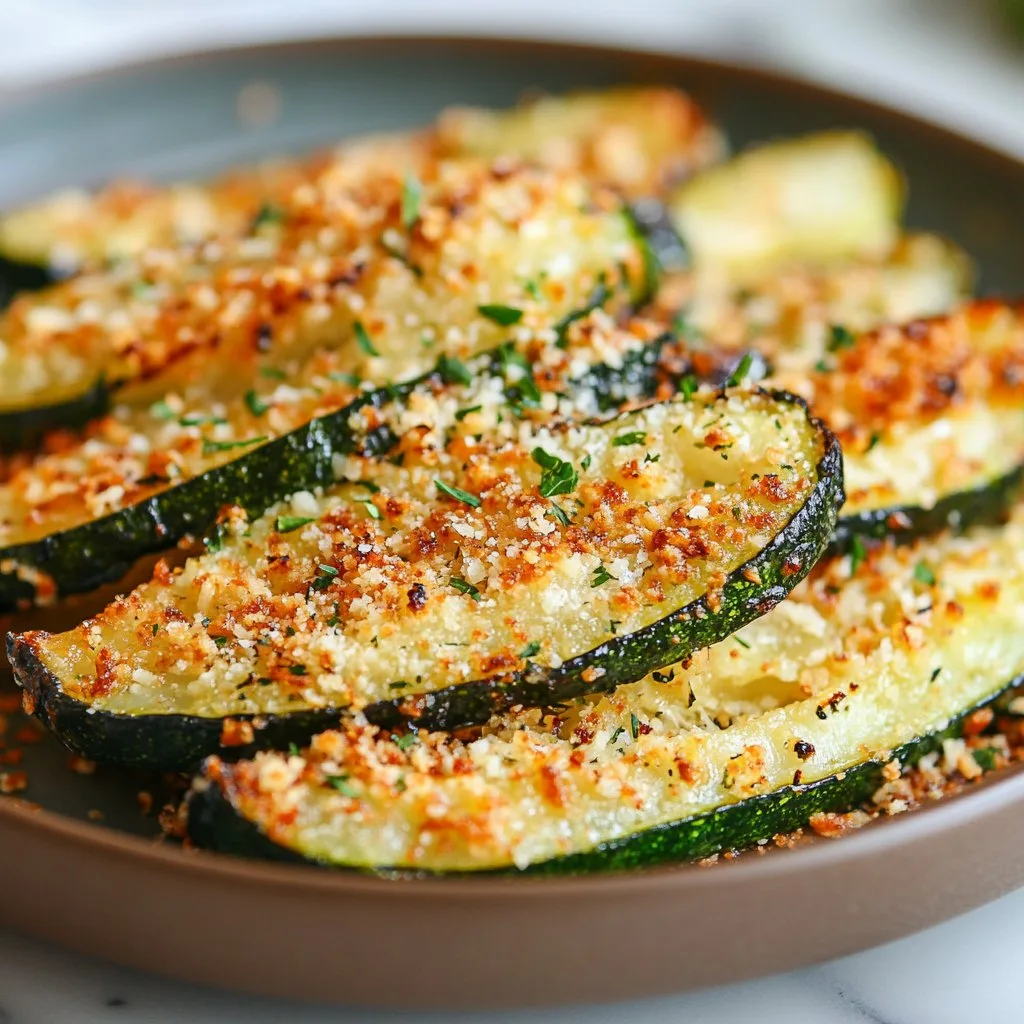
(504, 316)
(557, 476)
(342, 785)
(633, 437)
(465, 587)
(601, 576)
(923, 574)
(255, 404)
(741, 371)
(412, 196)
(363, 339)
(532, 648)
(209, 447)
(453, 371)
(839, 337)
(285, 524)
(857, 554)
(458, 494)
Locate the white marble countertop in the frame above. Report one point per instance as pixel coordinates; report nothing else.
(944, 59)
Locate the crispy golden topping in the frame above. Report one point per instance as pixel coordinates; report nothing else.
(797, 693)
(331, 257)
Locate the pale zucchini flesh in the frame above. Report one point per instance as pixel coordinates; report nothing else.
(850, 668)
(824, 197)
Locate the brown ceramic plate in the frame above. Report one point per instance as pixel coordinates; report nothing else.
(80, 866)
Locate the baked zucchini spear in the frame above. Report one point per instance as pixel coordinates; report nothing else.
(378, 268)
(819, 198)
(869, 666)
(639, 140)
(492, 562)
(930, 415)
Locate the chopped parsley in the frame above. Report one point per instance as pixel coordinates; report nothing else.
(533, 290)
(634, 725)
(857, 554)
(742, 642)
(687, 387)
(297, 670)
(873, 440)
(342, 785)
(985, 758)
(162, 411)
(633, 437)
(209, 447)
(601, 576)
(465, 587)
(453, 371)
(923, 574)
(268, 213)
(839, 337)
(741, 371)
(504, 316)
(458, 494)
(255, 404)
(371, 510)
(585, 462)
(340, 377)
(325, 576)
(509, 355)
(532, 648)
(600, 295)
(560, 514)
(363, 339)
(557, 476)
(412, 197)
(285, 524)
(615, 736)
(273, 373)
(461, 414)
(405, 741)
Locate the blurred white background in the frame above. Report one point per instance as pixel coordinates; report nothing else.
(951, 60)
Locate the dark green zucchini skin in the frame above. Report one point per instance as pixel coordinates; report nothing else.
(215, 824)
(16, 277)
(159, 742)
(25, 428)
(101, 551)
(979, 506)
(180, 742)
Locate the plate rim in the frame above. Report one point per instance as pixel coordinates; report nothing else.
(1004, 788)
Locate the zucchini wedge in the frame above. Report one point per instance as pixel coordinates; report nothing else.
(930, 415)
(641, 140)
(142, 483)
(811, 708)
(373, 268)
(820, 198)
(638, 140)
(501, 563)
(788, 314)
